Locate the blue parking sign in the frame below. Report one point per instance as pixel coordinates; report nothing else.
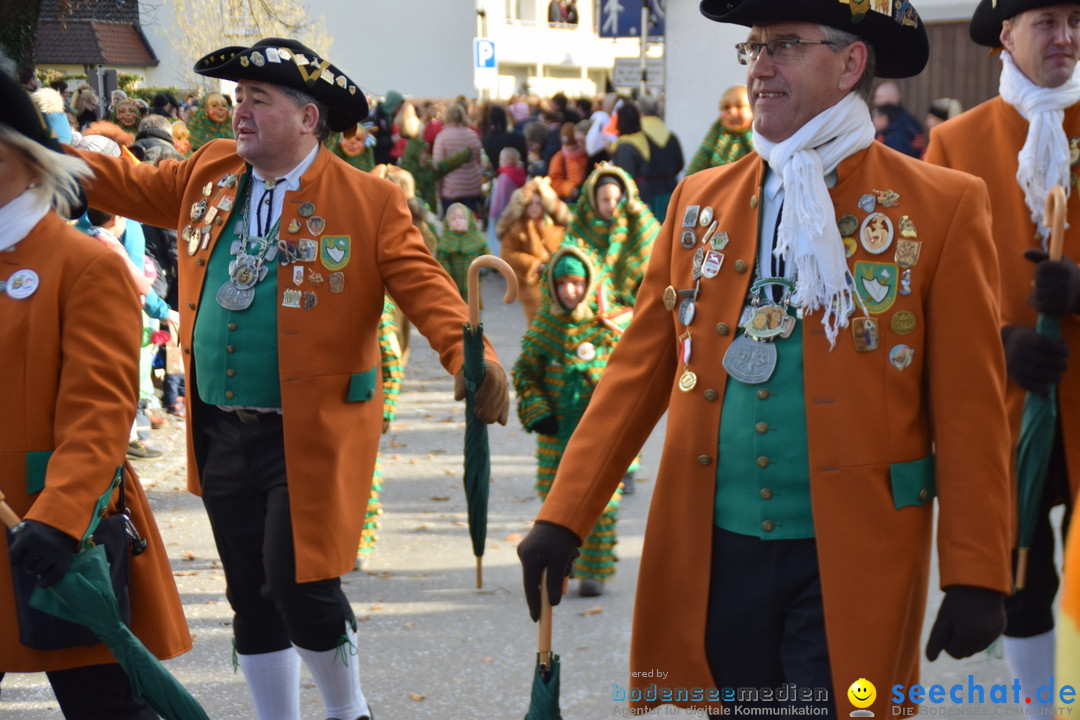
(484, 53)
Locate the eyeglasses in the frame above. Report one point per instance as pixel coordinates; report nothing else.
(778, 50)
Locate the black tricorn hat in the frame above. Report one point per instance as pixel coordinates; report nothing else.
(985, 27)
(891, 27)
(18, 112)
(292, 64)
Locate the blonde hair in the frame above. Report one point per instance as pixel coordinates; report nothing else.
(58, 174)
(453, 114)
(509, 156)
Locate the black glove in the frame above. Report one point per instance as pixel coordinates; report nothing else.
(1032, 360)
(492, 400)
(1056, 286)
(969, 619)
(42, 550)
(548, 547)
(546, 425)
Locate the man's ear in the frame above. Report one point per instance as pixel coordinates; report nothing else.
(311, 118)
(855, 57)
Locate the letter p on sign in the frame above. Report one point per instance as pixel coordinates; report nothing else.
(484, 53)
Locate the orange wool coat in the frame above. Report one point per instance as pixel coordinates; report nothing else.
(985, 142)
(868, 425)
(328, 356)
(70, 373)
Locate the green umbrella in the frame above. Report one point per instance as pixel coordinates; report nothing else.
(477, 454)
(544, 701)
(1039, 414)
(85, 596)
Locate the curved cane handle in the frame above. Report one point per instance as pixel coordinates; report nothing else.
(7, 515)
(474, 284)
(1054, 218)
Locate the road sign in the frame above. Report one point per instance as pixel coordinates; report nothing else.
(484, 53)
(628, 72)
(622, 18)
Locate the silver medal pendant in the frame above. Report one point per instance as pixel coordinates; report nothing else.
(244, 272)
(235, 298)
(749, 361)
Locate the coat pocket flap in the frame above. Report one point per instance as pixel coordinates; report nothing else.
(912, 482)
(362, 386)
(37, 461)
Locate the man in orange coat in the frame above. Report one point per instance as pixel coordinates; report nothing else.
(820, 389)
(70, 328)
(1031, 133)
(286, 254)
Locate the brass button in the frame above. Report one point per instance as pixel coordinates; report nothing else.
(230, 394)
(768, 525)
(232, 326)
(200, 261)
(762, 428)
(923, 494)
(101, 512)
(763, 462)
(763, 394)
(230, 348)
(704, 460)
(191, 306)
(723, 328)
(711, 394)
(370, 394)
(766, 494)
(740, 266)
(230, 372)
(187, 351)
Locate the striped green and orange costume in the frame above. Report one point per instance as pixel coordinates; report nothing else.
(457, 250)
(719, 147)
(563, 355)
(393, 370)
(619, 248)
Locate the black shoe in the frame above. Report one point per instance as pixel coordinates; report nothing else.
(590, 587)
(138, 449)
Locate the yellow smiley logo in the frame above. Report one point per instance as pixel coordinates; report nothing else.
(862, 693)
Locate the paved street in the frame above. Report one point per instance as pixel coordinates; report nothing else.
(431, 644)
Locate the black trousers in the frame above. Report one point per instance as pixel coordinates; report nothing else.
(766, 622)
(246, 497)
(97, 692)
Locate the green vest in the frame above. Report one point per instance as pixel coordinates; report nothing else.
(763, 468)
(236, 353)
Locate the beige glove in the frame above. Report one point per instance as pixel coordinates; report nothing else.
(492, 401)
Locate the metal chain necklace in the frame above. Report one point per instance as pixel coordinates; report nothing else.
(246, 270)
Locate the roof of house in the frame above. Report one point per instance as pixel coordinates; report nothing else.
(92, 34)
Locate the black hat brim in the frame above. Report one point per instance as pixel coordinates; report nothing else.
(985, 27)
(289, 63)
(899, 39)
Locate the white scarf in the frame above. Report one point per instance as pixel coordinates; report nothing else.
(808, 234)
(19, 217)
(1044, 159)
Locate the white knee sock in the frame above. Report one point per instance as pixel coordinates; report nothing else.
(337, 675)
(1031, 659)
(273, 679)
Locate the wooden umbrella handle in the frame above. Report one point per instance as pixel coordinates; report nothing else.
(1054, 218)
(543, 642)
(7, 515)
(474, 284)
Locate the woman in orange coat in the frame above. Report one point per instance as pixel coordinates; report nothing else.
(70, 325)
(530, 229)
